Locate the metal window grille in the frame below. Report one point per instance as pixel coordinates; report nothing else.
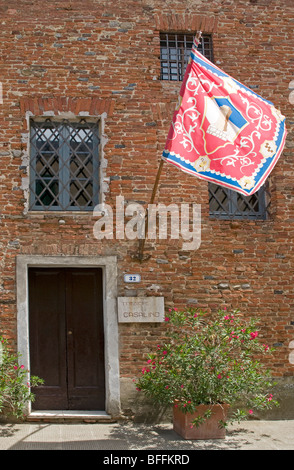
(64, 165)
(175, 50)
(225, 203)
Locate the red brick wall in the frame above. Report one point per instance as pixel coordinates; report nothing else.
(103, 57)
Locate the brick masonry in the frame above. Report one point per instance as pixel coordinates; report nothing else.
(102, 58)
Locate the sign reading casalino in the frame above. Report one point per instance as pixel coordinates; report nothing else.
(140, 309)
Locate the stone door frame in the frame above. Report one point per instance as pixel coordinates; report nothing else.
(109, 267)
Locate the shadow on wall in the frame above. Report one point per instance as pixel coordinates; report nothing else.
(136, 407)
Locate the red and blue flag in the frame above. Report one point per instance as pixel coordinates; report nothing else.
(222, 131)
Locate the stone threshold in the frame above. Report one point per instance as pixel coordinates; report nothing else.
(70, 415)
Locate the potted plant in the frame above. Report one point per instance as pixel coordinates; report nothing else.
(15, 390)
(208, 364)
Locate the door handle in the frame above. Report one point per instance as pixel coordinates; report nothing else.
(69, 332)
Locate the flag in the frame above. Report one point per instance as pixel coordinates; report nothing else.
(222, 131)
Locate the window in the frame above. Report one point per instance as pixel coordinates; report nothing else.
(64, 165)
(225, 203)
(175, 51)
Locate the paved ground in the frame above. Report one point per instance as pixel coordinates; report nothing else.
(125, 436)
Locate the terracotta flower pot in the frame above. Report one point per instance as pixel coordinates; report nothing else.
(210, 429)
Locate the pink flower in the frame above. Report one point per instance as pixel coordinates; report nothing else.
(250, 412)
(182, 386)
(166, 387)
(219, 376)
(226, 317)
(254, 335)
(15, 367)
(175, 309)
(166, 319)
(149, 360)
(164, 352)
(138, 389)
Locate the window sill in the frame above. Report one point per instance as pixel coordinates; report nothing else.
(58, 213)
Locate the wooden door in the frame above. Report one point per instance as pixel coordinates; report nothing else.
(67, 338)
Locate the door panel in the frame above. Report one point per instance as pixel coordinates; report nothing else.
(85, 339)
(47, 340)
(67, 338)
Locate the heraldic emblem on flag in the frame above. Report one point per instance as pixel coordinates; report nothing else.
(222, 131)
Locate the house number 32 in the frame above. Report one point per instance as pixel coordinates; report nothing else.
(132, 278)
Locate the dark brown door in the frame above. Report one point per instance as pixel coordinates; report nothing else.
(67, 338)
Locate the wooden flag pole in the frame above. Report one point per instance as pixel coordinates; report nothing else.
(156, 181)
(142, 240)
(140, 255)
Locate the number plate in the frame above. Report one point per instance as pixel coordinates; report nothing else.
(132, 278)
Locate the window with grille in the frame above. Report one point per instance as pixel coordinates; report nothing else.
(175, 50)
(64, 165)
(225, 203)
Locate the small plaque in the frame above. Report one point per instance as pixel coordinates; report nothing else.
(140, 309)
(132, 278)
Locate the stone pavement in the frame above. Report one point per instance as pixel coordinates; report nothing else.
(124, 436)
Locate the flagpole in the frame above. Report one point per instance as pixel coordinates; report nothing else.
(142, 240)
(140, 255)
